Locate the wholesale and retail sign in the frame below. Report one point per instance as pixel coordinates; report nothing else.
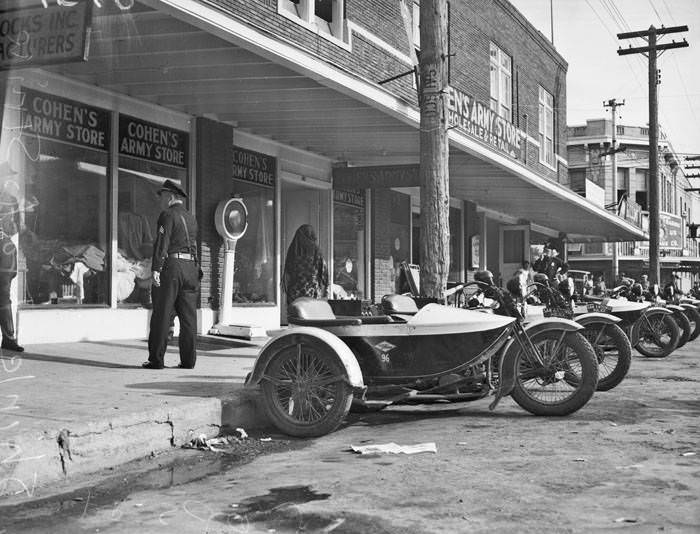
(671, 231)
(152, 142)
(45, 35)
(477, 120)
(60, 119)
(254, 167)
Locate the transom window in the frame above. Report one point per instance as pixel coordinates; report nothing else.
(501, 67)
(326, 16)
(546, 127)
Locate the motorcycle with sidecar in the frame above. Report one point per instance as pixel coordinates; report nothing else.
(312, 372)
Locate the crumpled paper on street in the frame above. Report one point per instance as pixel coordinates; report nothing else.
(394, 448)
(203, 443)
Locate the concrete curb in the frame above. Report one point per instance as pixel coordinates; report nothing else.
(53, 456)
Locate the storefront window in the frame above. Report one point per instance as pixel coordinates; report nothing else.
(61, 189)
(348, 244)
(148, 155)
(455, 245)
(254, 272)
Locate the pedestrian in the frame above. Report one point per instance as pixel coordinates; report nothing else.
(9, 216)
(305, 270)
(176, 276)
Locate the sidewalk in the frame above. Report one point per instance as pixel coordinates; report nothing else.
(76, 408)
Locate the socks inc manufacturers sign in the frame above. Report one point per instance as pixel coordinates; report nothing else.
(45, 35)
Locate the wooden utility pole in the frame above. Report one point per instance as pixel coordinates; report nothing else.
(434, 150)
(651, 51)
(613, 104)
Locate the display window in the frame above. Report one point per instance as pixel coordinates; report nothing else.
(149, 154)
(61, 194)
(349, 244)
(254, 266)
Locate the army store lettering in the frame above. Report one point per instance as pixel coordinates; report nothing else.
(53, 117)
(254, 167)
(153, 142)
(477, 120)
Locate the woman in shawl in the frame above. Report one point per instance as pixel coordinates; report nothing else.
(305, 270)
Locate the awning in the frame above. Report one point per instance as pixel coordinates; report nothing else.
(190, 57)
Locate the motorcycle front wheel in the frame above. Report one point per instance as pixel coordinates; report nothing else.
(305, 389)
(566, 381)
(658, 335)
(613, 351)
(693, 316)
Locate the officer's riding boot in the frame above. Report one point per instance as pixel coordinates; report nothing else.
(7, 326)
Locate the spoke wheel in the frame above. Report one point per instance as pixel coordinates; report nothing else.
(613, 351)
(685, 326)
(565, 382)
(306, 390)
(693, 316)
(658, 335)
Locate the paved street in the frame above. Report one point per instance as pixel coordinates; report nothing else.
(628, 461)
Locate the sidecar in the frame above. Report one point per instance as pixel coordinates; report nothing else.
(310, 373)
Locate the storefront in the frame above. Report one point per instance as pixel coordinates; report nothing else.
(197, 92)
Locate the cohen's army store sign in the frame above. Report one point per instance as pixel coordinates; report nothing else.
(254, 167)
(477, 120)
(52, 117)
(153, 142)
(45, 35)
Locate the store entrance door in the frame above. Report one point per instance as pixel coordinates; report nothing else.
(304, 203)
(513, 250)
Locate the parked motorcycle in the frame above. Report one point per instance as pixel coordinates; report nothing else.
(311, 373)
(612, 346)
(652, 330)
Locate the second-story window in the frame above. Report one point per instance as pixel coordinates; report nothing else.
(501, 68)
(327, 16)
(546, 127)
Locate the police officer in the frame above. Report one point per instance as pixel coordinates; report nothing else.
(175, 279)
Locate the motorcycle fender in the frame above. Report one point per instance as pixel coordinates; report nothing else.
(293, 336)
(508, 365)
(688, 306)
(674, 307)
(589, 318)
(634, 332)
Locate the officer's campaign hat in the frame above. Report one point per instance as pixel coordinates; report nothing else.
(171, 187)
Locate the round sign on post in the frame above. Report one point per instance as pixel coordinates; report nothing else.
(231, 219)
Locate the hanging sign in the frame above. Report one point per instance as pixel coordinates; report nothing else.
(45, 35)
(52, 117)
(477, 120)
(671, 230)
(153, 142)
(254, 167)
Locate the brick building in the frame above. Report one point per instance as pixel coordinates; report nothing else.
(307, 110)
(590, 172)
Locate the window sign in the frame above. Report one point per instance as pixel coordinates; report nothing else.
(152, 142)
(254, 167)
(45, 35)
(52, 117)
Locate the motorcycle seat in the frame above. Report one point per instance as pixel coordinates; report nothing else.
(399, 305)
(307, 311)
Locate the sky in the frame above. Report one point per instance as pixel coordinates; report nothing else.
(585, 34)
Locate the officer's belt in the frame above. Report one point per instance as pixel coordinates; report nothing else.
(182, 256)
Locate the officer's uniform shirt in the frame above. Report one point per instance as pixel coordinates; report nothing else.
(171, 236)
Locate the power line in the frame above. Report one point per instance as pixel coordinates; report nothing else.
(655, 11)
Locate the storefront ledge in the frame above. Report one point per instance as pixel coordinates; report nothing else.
(66, 325)
(54, 456)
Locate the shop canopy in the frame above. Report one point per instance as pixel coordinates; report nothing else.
(187, 56)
